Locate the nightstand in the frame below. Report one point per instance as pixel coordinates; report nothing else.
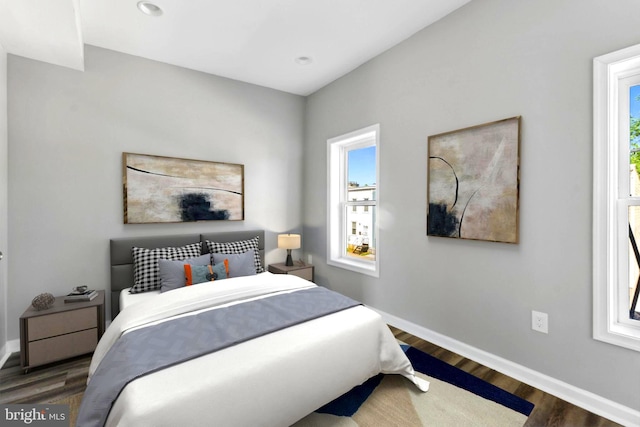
(297, 269)
(62, 331)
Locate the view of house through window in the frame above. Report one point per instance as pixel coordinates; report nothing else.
(353, 196)
(634, 211)
(361, 189)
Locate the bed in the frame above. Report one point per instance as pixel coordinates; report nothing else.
(272, 379)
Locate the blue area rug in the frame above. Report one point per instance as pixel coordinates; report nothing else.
(349, 403)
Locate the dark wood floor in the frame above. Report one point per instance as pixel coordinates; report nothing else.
(45, 384)
(54, 382)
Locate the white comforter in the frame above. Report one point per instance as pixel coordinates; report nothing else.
(273, 380)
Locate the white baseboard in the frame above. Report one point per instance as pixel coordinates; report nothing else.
(4, 356)
(582, 398)
(10, 347)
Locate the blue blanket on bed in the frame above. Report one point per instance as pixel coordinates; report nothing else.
(143, 351)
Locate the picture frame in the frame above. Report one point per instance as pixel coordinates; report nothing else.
(159, 189)
(473, 182)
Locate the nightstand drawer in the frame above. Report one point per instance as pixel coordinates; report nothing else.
(305, 273)
(62, 323)
(62, 347)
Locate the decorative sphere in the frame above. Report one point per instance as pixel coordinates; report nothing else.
(43, 301)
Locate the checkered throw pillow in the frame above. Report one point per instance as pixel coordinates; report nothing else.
(145, 264)
(238, 247)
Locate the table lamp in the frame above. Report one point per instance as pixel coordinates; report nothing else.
(288, 242)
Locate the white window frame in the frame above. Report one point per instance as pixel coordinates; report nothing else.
(613, 74)
(337, 201)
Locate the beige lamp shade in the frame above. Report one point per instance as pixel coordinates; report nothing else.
(288, 242)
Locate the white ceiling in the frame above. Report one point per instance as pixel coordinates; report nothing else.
(255, 41)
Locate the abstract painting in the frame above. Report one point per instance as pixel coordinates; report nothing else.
(473, 182)
(166, 189)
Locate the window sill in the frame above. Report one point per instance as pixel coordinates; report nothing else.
(364, 267)
(619, 338)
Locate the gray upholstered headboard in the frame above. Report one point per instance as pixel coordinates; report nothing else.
(122, 259)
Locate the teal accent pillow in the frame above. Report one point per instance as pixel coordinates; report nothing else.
(219, 271)
(202, 273)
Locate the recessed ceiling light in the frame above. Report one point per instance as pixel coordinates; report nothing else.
(149, 8)
(303, 60)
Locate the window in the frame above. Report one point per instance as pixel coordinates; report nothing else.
(616, 203)
(352, 238)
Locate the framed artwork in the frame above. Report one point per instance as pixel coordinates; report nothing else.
(166, 189)
(473, 180)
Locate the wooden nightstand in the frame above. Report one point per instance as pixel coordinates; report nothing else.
(62, 331)
(305, 271)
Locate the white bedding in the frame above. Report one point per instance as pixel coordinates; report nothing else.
(126, 299)
(273, 380)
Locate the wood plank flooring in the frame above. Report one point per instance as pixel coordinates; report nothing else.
(54, 382)
(45, 384)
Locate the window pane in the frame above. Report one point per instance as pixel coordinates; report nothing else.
(634, 261)
(361, 242)
(634, 140)
(361, 176)
(361, 168)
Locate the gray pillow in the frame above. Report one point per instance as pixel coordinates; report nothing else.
(172, 272)
(239, 264)
(145, 264)
(238, 247)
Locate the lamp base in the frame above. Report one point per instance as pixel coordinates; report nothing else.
(289, 262)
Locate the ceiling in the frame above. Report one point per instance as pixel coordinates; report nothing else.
(255, 41)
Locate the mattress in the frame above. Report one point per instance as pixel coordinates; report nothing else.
(272, 380)
(127, 299)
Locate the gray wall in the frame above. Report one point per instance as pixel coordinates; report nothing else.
(67, 132)
(3, 197)
(489, 60)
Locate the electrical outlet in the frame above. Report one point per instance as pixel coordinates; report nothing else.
(309, 259)
(540, 322)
